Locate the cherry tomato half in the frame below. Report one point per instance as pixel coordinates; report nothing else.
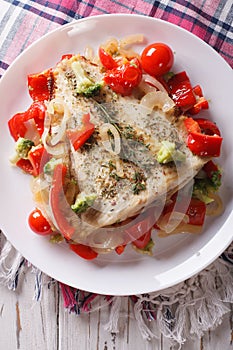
(157, 59)
(38, 223)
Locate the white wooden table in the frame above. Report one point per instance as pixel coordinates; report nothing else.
(29, 325)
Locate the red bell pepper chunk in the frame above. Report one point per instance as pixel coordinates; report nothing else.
(208, 127)
(181, 91)
(203, 138)
(84, 251)
(120, 249)
(79, 137)
(17, 125)
(197, 90)
(204, 145)
(67, 55)
(56, 195)
(40, 85)
(106, 59)
(25, 165)
(142, 241)
(196, 209)
(124, 77)
(141, 229)
(192, 125)
(196, 212)
(210, 168)
(202, 103)
(37, 158)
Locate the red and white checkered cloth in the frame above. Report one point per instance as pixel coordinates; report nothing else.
(24, 21)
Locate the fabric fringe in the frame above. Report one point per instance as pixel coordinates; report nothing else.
(181, 312)
(192, 307)
(11, 263)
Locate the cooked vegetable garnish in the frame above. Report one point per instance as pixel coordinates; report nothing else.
(114, 150)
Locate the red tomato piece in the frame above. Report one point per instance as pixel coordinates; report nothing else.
(84, 251)
(106, 59)
(157, 59)
(125, 77)
(38, 223)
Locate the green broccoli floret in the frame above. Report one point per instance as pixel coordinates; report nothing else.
(216, 179)
(50, 165)
(23, 146)
(169, 153)
(202, 190)
(83, 202)
(84, 85)
(204, 187)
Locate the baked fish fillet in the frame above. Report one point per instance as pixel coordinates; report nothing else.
(118, 166)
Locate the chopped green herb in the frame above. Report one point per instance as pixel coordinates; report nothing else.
(138, 187)
(115, 176)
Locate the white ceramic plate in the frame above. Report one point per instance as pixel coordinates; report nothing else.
(176, 258)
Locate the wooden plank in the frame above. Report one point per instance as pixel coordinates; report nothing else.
(27, 324)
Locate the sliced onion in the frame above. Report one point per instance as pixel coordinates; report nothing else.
(131, 39)
(170, 221)
(103, 130)
(216, 207)
(89, 53)
(32, 132)
(61, 107)
(57, 150)
(154, 82)
(54, 150)
(105, 240)
(157, 99)
(182, 228)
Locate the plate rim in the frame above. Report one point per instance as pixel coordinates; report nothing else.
(76, 22)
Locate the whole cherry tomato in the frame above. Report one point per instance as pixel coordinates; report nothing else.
(38, 223)
(157, 59)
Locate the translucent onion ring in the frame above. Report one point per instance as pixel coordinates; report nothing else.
(157, 99)
(103, 130)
